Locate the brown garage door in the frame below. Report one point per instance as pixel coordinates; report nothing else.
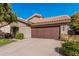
(48, 32)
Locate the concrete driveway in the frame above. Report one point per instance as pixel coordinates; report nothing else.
(31, 47)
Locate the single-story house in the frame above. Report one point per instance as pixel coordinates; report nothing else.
(37, 26)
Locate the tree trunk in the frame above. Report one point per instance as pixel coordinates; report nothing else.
(3, 24)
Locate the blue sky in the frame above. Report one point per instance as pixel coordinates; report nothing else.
(25, 10)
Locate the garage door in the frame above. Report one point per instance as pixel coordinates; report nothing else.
(48, 32)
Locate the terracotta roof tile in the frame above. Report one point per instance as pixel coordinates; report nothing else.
(56, 19)
(36, 14)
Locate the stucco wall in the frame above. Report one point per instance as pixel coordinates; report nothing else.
(23, 28)
(64, 29)
(5, 29)
(64, 32)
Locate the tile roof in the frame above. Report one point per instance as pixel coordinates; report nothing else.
(34, 15)
(57, 19)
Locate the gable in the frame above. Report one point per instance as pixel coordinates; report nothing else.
(34, 17)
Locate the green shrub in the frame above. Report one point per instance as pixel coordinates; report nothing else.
(19, 36)
(71, 48)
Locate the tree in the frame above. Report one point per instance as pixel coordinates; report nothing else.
(75, 21)
(6, 14)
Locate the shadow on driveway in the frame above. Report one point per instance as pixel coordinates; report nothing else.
(59, 50)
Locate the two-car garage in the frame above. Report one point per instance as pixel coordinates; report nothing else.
(46, 32)
(50, 27)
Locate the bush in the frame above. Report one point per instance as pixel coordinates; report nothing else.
(8, 35)
(71, 48)
(19, 36)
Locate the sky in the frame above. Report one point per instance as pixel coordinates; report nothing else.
(25, 10)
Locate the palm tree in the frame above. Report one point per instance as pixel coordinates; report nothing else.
(6, 14)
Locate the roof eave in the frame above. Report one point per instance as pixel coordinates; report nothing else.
(49, 24)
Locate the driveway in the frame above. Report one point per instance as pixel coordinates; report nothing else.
(31, 47)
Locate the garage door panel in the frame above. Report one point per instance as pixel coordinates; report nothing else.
(49, 32)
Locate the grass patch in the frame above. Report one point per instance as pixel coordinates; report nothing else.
(5, 41)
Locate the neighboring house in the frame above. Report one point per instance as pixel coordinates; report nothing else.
(38, 27)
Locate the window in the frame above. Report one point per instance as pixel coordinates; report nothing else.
(63, 28)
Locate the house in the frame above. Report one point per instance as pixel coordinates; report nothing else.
(51, 27)
(37, 26)
(19, 26)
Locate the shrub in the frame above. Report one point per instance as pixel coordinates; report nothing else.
(19, 36)
(8, 35)
(71, 48)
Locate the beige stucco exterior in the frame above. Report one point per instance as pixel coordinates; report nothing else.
(5, 29)
(64, 31)
(23, 28)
